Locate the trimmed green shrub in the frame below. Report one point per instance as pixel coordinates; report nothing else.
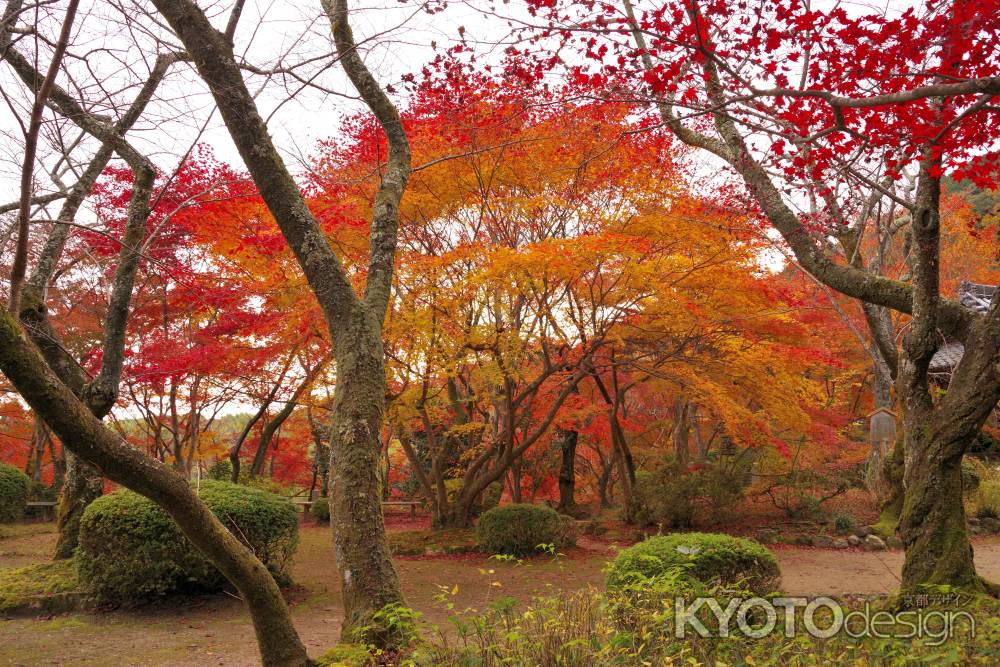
(844, 523)
(970, 477)
(14, 487)
(518, 529)
(674, 500)
(130, 549)
(704, 557)
(989, 495)
(221, 470)
(491, 496)
(320, 510)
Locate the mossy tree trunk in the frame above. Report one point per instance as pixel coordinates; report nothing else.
(52, 384)
(354, 322)
(367, 575)
(936, 435)
(83, 433)
(83, 485)
(83, 482)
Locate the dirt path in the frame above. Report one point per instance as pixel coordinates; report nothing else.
(216, 631)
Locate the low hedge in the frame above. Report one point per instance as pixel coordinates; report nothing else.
(14, 488)
(520, 529)
(319, 510)
(704, 557)
(130, 549)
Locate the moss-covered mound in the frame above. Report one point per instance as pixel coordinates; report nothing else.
(520, 529)
(43, 588)
(703, 557)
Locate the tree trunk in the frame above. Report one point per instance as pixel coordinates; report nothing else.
(455, 515)
(515, 481)
(603, 487)
(567, 471)
(82, 433)
(58, 457)
(82, 486)
(680, 435)
(891, 479)
(933, 525)
(368, 578)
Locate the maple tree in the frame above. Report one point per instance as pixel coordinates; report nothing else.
(536, 263)
(815, 110)
(571, 292)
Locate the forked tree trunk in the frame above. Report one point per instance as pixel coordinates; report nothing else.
(937, 434)
(82, 433)
(355, 323)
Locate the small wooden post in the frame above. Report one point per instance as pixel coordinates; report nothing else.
(882, 429)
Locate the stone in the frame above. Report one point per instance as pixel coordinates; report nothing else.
(976, 530)
(854, 540)
(822, 541)
(991, 525)
(767, 536)
(865, 531)
(973, 521)
(874, 543)
(893, 542)
(841, 543)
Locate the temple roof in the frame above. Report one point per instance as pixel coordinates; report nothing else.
(971, 295)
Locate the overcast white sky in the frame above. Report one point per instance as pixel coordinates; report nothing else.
(109, 56)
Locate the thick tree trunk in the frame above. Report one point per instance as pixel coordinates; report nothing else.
(567, 471)
(933, 525)
(603, 486)
(937, 434)
(83, 485)
(367, 575)
(455, 515)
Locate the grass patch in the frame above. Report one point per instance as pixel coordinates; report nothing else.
(421, 542)
(13, 530)
(42, 587)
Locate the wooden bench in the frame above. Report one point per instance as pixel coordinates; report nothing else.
(47, 507)
(413, 504)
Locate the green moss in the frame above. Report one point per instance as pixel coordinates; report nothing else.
(703, 557)
(886, 525)
(346, 655)
(23, 587)
(419, 542)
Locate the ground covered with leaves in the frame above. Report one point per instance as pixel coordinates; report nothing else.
(443, 587)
